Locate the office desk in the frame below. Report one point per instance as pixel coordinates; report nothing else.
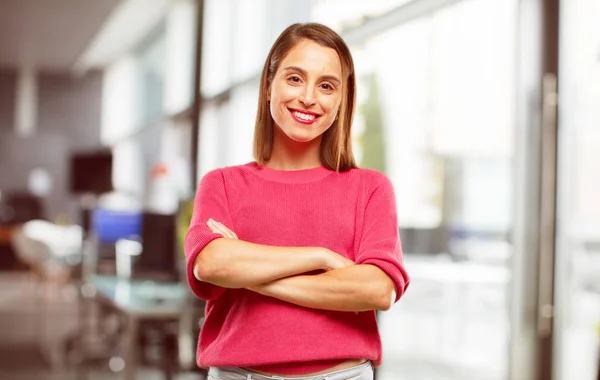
(458, 273)
(8, 259)
(140, 300)
(5, 234)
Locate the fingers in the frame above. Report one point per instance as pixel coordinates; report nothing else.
(349, 262)
(336, 261)
(219, 228)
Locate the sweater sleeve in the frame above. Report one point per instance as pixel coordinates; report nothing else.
(210, 202)
(380, 240)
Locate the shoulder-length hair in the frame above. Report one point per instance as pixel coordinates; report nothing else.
(336, 147)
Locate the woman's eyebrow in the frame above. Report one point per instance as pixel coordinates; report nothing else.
(331, 78)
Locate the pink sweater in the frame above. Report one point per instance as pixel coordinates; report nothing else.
(352, 213)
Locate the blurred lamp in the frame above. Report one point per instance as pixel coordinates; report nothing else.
(39, 182)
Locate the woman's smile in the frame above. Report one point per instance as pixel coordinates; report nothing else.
(303, 116)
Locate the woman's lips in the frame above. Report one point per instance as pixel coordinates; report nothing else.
(303, 117)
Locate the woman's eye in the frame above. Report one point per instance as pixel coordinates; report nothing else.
(327, 86)
(294, 79)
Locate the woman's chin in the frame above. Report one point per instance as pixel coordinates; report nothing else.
(301, 136)
(300, 133)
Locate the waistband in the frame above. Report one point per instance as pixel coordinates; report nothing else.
(235, 373)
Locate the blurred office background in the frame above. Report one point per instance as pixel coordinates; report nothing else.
(484, 113)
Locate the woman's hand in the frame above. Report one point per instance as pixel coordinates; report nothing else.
(219, 228)
(336, 261)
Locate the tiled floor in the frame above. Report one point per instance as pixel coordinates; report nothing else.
(420, 342)
(451, 324)
(441, 329)
(21, 332)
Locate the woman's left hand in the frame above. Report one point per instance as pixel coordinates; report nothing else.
(219, 228)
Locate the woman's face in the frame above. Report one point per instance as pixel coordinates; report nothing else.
(306, 91)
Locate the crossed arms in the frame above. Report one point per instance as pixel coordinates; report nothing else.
(343, 285)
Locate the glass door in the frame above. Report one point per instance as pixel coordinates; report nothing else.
(577, 284)
(437, 114)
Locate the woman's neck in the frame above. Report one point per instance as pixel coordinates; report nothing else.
(292, 155)
(278, 163)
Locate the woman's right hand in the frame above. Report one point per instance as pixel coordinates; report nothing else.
(334, 260)
(220, 228)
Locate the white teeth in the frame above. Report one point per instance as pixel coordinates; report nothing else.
(304, 116)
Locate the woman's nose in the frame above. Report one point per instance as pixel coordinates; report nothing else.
(307, 97)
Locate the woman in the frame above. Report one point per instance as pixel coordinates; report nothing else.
(295, 252)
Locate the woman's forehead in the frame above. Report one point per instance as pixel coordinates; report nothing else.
(313, 58)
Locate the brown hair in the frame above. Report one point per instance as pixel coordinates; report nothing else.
(336, 149)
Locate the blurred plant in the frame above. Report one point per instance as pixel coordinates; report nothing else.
(184, 217)
(373, 138)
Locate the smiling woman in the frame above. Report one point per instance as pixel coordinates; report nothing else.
(295, 252)
(309, 73)
(303, 93)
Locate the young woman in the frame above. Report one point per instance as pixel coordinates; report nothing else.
(295, 252)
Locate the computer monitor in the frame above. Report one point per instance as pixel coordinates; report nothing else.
(159, 257)
(91, 172)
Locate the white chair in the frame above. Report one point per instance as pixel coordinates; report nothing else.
(52, 252)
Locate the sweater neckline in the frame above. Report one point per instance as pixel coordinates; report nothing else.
(289, 176)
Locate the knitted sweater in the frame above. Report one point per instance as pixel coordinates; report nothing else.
(351, 213)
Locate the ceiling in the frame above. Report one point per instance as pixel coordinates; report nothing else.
(49, 34)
